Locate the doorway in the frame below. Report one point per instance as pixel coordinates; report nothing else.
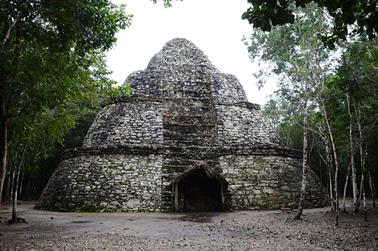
(198, 191)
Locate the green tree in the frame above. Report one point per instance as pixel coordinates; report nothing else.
(287, 119)
(51, 53)
(357, 79)
(301, 61)
(32, 135)
(351, 17)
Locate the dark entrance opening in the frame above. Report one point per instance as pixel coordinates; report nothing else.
(198, 191)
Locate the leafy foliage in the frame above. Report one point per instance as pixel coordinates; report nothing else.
(287, 119)
(351, 17)
(52, 55)
(294, 54)
(356, 75)
(167, 3)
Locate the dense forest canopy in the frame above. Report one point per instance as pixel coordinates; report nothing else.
(350, 17)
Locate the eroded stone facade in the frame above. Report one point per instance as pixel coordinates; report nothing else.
(184, 114)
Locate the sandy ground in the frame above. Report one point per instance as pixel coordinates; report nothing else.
(245, 230)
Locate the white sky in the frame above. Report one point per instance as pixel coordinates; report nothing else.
(215, 26)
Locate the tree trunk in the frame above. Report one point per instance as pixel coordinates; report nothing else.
(15, 194)
(22, 173)
(345, 188)
(363, 155)
(365, 207)
(336, 162)
(9, 30)
(362, 183)
(16, 174)
(372, 189)
(353, 167)
(3, 148)
(337, 207)
(329, 165)
(331, 191)
(305, 162)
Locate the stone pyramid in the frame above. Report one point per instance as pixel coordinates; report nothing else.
(187, 140)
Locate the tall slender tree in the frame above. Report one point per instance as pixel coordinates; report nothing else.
(351, 148)
(300, 59)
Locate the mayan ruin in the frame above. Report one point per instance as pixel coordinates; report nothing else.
(187, 140)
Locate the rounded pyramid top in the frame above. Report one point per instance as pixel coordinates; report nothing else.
(180, 42)
(180, 52)
(180, 70)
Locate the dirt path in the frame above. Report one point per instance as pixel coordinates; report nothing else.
(247, 230)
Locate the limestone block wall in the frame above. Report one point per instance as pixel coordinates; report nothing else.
(183, 82)
(127, 123)
(268, 182)
(111, 182)
(189, 123)
(226, 88)
(145, 84)
(243, 124)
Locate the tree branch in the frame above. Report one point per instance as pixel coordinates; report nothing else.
(7, 35)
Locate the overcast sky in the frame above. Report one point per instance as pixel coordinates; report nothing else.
(215, 26)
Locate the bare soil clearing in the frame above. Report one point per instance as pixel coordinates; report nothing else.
(245, 230)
